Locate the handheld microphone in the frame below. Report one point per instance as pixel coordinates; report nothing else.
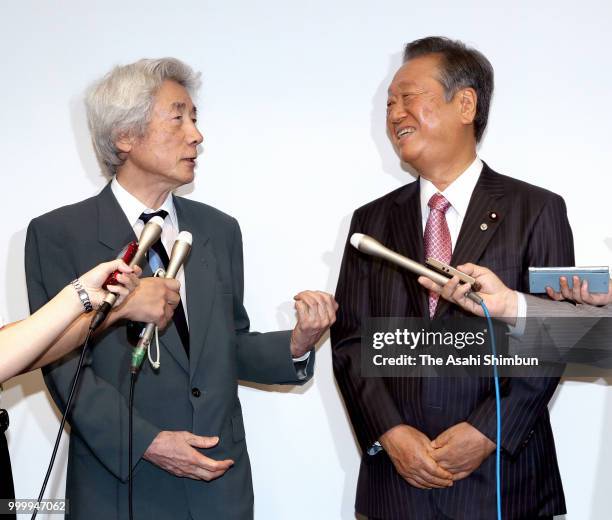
(180, 250)
(126, 254)
(370, 246)
(150, 234)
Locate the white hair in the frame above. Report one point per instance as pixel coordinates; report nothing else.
(121, 102)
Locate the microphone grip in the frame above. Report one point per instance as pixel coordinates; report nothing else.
(474, 297)
(103, 311)
(139, 352)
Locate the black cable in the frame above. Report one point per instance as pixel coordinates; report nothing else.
(130, 435)
(75, 382)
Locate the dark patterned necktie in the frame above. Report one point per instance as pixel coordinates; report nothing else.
(158, 257)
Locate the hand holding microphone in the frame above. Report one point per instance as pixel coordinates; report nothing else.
(134, 256)
(153, 301)
(180, 250)
(370, 246)
(125, 281)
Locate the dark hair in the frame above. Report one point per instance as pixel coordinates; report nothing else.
(460, 67)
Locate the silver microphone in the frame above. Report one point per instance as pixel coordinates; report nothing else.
(373, 247)
(149, 235)
(180, 250)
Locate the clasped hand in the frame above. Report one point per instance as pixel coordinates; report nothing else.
(427, 464)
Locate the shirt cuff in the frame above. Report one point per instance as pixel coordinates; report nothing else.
(301, 358)
(301, 366)
(375, 448)
(518, 329)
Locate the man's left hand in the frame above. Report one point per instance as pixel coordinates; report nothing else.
(461, 449)
(316, 312)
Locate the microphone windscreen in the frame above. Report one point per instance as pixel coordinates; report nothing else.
(356, 239)
(158, 220)
(185, 236)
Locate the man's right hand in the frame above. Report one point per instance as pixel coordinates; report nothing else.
(410, 451)
(153, 301)
(175, 452)
(501, 301)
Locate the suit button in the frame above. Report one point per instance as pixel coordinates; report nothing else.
(195, 392)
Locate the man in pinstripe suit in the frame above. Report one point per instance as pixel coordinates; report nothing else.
(427, 443)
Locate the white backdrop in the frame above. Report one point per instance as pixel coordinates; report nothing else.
(292, 110)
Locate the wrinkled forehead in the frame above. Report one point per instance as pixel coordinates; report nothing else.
(416, 73)
(174, 97)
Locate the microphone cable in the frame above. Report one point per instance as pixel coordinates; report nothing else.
(498, 416)
(75, 382)
(133, 375)
(130, 438)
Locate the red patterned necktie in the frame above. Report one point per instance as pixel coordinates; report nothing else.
(437, 239)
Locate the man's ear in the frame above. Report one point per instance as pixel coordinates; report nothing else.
(124, 142)
(467, 101)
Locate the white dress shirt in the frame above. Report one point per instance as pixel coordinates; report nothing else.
(459, 193)
(133, 208)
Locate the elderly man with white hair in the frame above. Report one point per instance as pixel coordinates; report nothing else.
(190, 457)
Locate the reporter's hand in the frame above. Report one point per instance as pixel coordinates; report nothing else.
(579, 292)
(93, 280)
(175, 452)
(316, 311)
(153, 301)
(411, 454)
(499, 299)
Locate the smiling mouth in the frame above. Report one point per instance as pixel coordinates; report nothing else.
(406, 131)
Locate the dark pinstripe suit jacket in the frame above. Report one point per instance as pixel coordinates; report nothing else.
(531, 230)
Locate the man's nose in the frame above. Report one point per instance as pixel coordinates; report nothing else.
(397, 113)
(195, 136)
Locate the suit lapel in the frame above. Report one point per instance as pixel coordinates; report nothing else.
(114, 230)
(406, 232)
(478, 225)
(200, 280)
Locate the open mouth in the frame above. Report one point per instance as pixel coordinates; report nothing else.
(409, 130)
(191, 160)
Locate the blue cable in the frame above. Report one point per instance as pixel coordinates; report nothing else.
(498, 413)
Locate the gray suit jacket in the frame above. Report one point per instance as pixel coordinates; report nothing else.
(566, 333)
(198, 394)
